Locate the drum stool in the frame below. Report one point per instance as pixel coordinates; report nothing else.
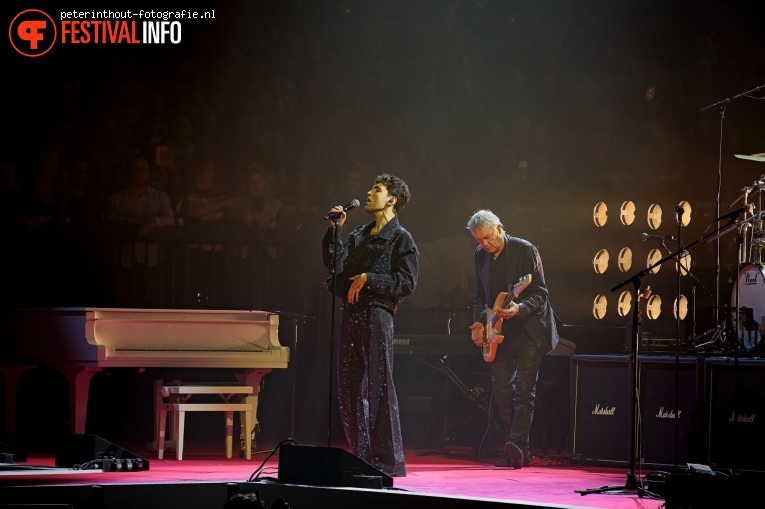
(175, 399)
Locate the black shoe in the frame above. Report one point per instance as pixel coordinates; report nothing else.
(503, 463)
(514, 455)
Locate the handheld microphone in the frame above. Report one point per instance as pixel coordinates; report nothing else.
(660, 238)
(353, 204)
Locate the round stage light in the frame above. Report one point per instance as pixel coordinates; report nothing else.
(599, 306)
(653, 307)
(685, 217)
(685, 263)
(600, 261)
(624, 305)
(600, 214)
(681, 307)
(654, 216)
(625, 259)
(627, 213)
(654, 255)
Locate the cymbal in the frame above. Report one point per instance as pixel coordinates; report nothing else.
(753, 157)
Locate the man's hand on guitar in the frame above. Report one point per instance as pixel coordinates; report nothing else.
(508, 312)
(477, 333)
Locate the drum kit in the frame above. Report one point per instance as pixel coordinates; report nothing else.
(747, 301)
(748, 294)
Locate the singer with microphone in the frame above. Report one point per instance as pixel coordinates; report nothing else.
(376, 269)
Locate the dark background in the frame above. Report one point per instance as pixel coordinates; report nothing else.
(450, 95)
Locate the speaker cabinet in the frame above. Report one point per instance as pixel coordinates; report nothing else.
(78, 449)
(328, 466)
(422, 389)
(602, 409)
(600, 406)
(735, 401)
(670, 418)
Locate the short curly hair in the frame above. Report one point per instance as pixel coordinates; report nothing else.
(396, 187)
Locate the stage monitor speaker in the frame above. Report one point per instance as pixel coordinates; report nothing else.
(78, 449)
(735, 400)
(15, 454)
(670, 419)
(327, 466)
(710, 490)
(601, 408)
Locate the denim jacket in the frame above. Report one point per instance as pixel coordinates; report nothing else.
(390, 259)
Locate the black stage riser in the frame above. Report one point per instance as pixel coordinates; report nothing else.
(213, 495)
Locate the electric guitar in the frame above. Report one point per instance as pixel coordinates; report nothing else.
(493, 325)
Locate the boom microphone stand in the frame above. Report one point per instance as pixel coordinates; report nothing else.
(720, 105)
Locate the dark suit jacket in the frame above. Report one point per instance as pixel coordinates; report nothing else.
(536, 316)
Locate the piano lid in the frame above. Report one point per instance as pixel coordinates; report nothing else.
(182, 329)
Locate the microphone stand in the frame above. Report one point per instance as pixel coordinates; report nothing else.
(335, 240)
(633, 485)
(721, 106)
(679, 210)
(296, 319)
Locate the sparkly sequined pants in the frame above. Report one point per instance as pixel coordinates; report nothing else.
(514, 385)
(368, 403)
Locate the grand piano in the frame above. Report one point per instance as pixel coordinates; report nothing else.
(80, 342)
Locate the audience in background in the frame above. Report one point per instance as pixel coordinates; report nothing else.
(303, 115)
(203, 211)
(135, 212)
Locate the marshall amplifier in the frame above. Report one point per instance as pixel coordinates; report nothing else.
(670, 405)
(735, 402)
(600, 408)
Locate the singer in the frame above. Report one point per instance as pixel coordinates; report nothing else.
(376, 270)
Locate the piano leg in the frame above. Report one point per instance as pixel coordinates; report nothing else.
(247, 425)
(162, 418)
(252, 377)
(11, 374)
(229, 433)
(180, 427)
(79, 385)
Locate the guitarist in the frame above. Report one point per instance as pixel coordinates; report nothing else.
(527, 324)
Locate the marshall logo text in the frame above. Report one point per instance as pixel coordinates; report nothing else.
(668, 414)
(603, 410)
(741, 418)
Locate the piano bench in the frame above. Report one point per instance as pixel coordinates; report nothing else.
(175, 398)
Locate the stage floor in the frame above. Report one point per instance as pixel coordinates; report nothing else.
(204, 479)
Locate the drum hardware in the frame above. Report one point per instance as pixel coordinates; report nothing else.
(750, 286)
(719, 341)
